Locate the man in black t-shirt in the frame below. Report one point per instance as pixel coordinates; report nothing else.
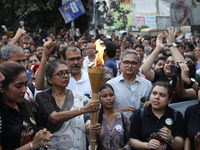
(180, 92)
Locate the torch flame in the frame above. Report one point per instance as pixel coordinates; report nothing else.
(99, 62)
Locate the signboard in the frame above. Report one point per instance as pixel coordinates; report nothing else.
(72, 10)
(145, 20)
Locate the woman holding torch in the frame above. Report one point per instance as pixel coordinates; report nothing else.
(65, 112)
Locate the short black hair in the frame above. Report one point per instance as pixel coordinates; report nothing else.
(165, 84)
(110, 49)
(190, 45)
(140, 46)
(161, 58)
(69, 46)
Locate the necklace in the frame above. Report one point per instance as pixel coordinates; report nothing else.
(60, 94)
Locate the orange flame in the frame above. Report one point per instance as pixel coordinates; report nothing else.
(99, 62)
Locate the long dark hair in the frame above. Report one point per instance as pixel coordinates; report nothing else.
(103, 86)
(11, 70)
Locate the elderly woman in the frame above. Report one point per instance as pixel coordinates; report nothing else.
(17, 123)
(64, 112)
(158, 126)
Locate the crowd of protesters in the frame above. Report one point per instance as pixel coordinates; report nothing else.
(46, 94)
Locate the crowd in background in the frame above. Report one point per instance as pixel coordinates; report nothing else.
(142, 76)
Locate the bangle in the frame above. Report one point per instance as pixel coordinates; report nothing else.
(31, 146)
(79, 110)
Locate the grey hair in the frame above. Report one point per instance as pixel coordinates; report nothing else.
(128, 51)
(51, 67)
(7, 49)
(108, 73)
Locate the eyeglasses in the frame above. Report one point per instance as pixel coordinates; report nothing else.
(90, 48)
(127, 63)
(40, 50)
(21, 61)
(62, 74)
(31, 61)
(73, 59)
(139, 51)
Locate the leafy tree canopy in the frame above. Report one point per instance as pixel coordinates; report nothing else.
(36, 14)
(143, 27)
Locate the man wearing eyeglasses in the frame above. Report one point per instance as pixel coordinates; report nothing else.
(12, 52)
(131, 91)
(90, 52)
(184, 85)
(39, 51)
(79, 80)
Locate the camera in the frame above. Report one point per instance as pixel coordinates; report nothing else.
(176, 70)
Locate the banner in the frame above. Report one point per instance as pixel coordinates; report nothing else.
(145, 20)
(182, 106)
(183, 12)
(72, 10)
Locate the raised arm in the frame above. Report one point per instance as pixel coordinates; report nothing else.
(123, 45)
(171, 38)
(181, 91)
(18, 36)
(40, 83)
(147, 66)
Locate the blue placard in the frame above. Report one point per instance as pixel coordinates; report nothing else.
(71, 10)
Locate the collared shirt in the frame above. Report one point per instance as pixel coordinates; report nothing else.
(87, 63)
(82, 85)
(134, 95)
(192, 123)
(143, 127)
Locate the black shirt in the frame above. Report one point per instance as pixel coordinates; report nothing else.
(142, 128)
(12, 125)
(162, 77)
(192, 123)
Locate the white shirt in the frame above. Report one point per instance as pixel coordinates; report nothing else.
(82, 85)
(87, 63)
(134, 95)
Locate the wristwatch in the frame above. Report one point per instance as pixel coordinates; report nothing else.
(172, 45)
(192, 81)
(171, 140)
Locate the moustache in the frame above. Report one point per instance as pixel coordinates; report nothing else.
(76, 66)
